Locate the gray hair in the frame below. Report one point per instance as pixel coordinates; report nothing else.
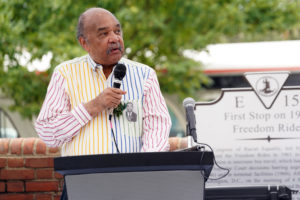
(80, 26)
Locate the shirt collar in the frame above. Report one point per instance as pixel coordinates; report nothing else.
(94, 65)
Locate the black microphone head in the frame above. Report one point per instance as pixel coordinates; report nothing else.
(189, 101)
(120, 71)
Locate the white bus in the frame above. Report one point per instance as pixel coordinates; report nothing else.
(226, 63)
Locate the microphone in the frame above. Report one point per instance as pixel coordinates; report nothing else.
(119, 73)
(189, 104)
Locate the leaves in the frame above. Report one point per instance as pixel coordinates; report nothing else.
(119, 110)
(27, 89)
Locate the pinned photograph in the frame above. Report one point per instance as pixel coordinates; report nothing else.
(130, 114)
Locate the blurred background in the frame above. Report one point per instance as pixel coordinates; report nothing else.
(195, 46)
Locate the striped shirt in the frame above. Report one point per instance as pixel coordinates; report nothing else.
(63, 120)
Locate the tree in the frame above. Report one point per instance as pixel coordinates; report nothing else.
(155, 33)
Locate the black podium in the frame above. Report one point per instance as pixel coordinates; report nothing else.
(136, 176)
(249, 192)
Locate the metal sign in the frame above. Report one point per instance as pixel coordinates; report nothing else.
(255, 132)
(267, 85)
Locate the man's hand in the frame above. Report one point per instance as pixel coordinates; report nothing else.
(109, 98)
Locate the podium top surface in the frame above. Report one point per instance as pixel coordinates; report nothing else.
(126, 162)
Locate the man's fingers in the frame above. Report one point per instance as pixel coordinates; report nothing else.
(110, 97)
(118, 91)
(115, 102)
(117, 95)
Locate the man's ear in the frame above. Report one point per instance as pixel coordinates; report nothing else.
(83, 43)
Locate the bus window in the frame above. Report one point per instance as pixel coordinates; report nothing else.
(176, 129)
(7, 127)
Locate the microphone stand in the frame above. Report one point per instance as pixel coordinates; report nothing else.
(191, 143)
(189, 136)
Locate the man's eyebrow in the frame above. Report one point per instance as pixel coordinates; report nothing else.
(104, 28)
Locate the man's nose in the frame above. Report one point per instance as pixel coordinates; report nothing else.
(113, 37)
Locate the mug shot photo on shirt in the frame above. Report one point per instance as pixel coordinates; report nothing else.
(130, 114)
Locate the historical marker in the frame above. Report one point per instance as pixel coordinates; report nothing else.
(255, 132)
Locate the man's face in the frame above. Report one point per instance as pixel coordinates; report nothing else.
(103, 38)
(129, 107)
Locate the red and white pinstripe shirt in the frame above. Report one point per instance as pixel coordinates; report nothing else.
(63, 121)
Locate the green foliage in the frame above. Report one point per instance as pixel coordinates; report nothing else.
(25, 88)
(155, 33)
(119, 110)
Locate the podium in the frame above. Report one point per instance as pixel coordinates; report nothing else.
(136, 176)
(249, 192)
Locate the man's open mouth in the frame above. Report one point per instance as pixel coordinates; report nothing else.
(114, 50)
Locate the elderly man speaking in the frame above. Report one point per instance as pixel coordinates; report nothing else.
(80, 97)
(77, 111)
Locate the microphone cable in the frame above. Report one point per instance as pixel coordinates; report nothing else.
(113, 134)
(215, 162)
